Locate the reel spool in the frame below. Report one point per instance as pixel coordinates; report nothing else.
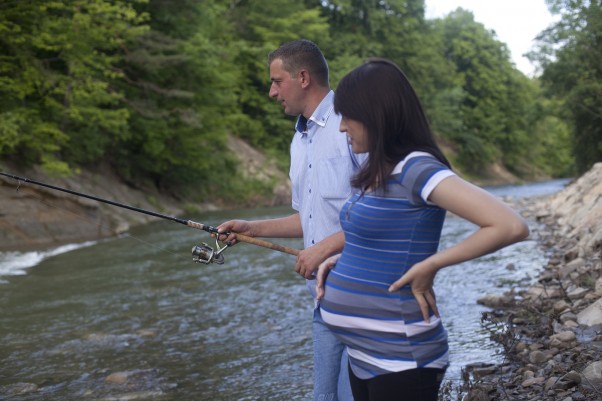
(205, 254)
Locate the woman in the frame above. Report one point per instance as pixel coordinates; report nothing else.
(377, 295)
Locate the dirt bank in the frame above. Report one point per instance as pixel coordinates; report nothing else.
(35, 217)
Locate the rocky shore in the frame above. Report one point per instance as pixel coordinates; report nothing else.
(551, 332)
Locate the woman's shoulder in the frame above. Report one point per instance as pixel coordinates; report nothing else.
(416, 159)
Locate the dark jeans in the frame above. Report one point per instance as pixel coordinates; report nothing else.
(420, 384)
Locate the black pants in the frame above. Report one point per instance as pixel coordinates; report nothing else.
(420, 384)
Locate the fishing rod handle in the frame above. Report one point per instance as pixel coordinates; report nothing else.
(266, 244)
(247, 239)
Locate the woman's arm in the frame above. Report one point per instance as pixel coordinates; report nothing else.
(498, 224)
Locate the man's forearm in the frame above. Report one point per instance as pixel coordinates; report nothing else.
(282, 227)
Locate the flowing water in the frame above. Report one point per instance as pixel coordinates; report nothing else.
(133, 318)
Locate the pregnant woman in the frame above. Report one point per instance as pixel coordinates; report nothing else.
(377, 295)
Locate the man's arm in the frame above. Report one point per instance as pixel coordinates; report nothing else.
(281, 227)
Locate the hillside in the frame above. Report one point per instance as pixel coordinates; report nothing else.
(34, 217)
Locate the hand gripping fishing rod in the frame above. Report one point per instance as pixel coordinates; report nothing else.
(201, 253)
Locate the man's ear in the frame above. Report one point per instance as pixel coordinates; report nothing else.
(304, 77)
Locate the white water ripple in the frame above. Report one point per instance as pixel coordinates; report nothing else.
(16, 263)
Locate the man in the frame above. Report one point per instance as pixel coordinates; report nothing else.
(322, 165)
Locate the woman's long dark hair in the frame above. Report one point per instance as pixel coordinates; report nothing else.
(378, 95)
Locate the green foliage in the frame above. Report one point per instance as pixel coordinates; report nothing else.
(570, 53)
(57, 70)
(494, 99)
(154, 88)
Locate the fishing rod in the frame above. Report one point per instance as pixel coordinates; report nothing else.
(200, 253)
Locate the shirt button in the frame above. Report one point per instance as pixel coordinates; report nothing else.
(310, 166)
(313, 242)
(310, 190)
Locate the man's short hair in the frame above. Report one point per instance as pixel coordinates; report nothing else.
(302, 54)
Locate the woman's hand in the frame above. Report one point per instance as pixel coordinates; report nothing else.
(323, 270)
(421, 278)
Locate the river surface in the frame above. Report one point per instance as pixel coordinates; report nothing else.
(133, 318)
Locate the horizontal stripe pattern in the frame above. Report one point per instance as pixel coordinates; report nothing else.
(386, 233)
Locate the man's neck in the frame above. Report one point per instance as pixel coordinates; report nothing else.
(314, 100)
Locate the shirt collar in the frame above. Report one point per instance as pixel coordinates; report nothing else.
(320, 116)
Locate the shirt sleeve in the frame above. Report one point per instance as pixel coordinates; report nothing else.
(422, 175)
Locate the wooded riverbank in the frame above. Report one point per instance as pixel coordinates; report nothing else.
(35, 217)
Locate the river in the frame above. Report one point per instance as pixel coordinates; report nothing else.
(134, 318)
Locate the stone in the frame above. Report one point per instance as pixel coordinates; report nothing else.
(538, 357)
(533, 381)
(494, 300)
(484, 371)
(565, 317)
(528, 374)
(572, 376)
(538, 292)
(565, 336)
(570, 267)
(592, 315)
(592, 375)
(561, 306)
(577, 292)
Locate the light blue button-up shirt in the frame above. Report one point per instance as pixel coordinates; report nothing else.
(322, 165)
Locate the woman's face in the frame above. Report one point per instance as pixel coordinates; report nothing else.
(356, 134)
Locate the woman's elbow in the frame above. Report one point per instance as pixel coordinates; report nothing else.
(519, 230)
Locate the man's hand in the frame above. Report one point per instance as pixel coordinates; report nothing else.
(228, 230)
(309, 260)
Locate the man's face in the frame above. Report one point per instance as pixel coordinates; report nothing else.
(286, 89)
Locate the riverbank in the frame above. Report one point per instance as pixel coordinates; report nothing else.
(551, 332)
(34, 217)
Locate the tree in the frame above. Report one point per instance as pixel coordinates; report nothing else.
(494, 96)
(178, 84)
(57, 69)
(570, 54)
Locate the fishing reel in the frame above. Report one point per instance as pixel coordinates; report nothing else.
(205, 254)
